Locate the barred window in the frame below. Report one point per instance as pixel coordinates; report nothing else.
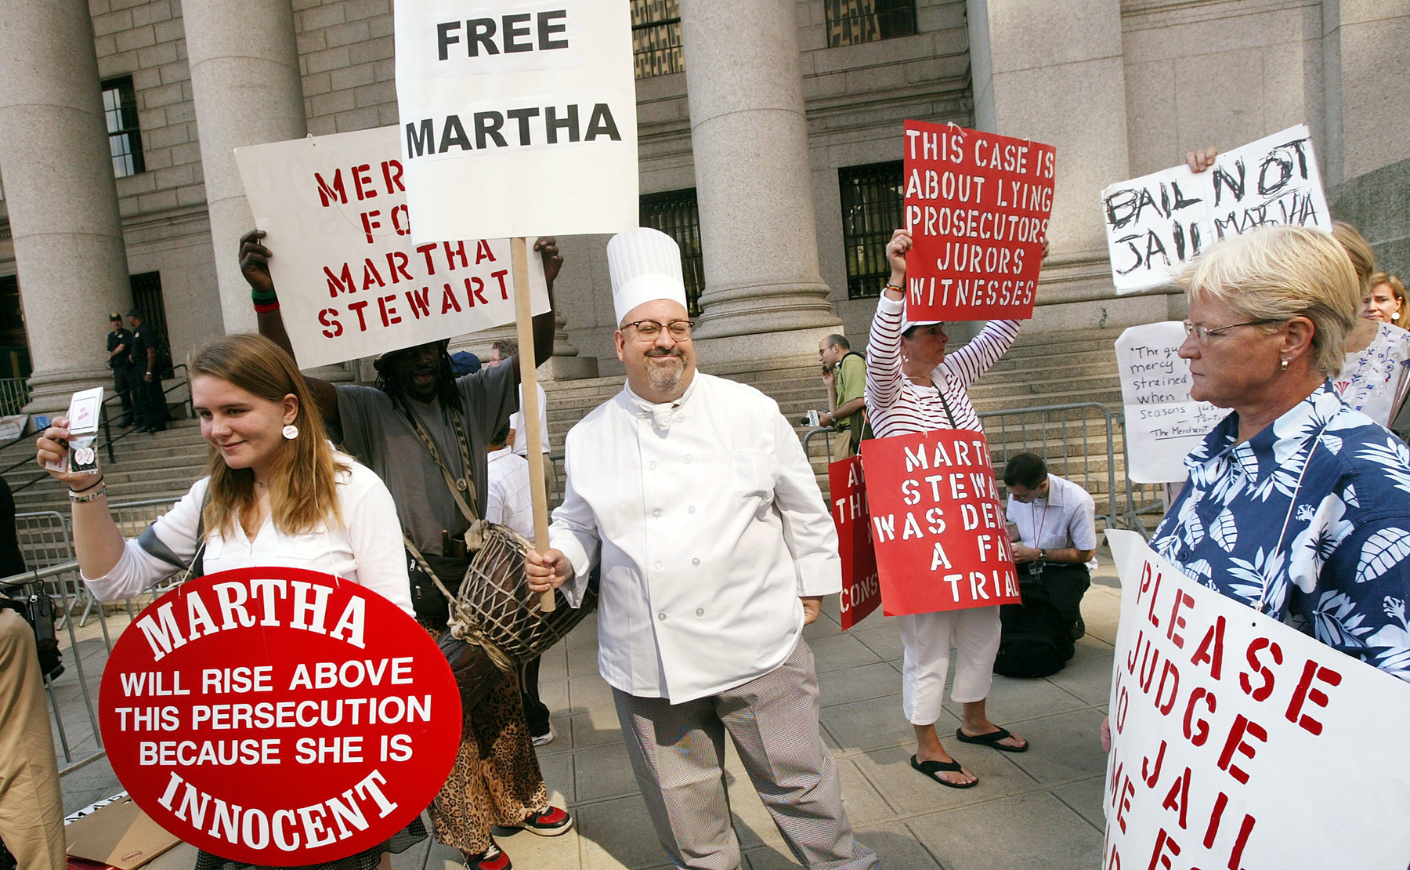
(656, 37)
(852, 21)
(124, 138)
(873, 200)
(677, 214)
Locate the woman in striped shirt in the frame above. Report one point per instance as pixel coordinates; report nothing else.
(913, 386)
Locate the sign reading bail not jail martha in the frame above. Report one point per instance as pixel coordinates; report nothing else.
(351, 280)
(1158, 222)
(518, 117)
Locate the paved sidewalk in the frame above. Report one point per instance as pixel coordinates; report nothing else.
(1040, 809)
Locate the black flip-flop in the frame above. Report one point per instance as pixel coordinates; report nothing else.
(931, 768)
(992, 739)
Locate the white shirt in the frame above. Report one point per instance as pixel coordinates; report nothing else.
(1376, 380)
(510, 503)
(516, 422)
(1066, 518)
(368, 549)
(710, 525)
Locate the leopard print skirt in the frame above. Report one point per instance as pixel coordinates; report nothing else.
(496, 778)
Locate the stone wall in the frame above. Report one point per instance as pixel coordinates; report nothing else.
(1378, 204)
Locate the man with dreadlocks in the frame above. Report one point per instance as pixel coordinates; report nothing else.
(425, 432)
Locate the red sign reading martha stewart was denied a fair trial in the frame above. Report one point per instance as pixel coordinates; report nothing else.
(977, 208)
(940, 534)
(278, 716)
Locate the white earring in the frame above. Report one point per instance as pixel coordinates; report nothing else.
(1395, 316)
(291, 432)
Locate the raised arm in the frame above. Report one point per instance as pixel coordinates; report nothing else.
(544, 325)
(884, 341)
(254, 265)
(974, 359)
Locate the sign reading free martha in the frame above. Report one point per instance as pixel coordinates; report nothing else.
(278, 716)
(518, 117)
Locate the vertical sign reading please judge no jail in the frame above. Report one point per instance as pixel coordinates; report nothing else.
(518, 117)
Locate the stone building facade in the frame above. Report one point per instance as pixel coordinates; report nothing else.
(762, 122)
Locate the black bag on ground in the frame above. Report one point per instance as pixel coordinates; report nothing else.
(1036, 641)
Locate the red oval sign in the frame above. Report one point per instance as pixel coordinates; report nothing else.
(279, 716)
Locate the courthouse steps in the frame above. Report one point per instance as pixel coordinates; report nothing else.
(1044, 369)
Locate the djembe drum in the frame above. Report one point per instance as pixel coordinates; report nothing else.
(495, 621)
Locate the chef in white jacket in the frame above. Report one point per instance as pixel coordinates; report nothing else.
(716, 548)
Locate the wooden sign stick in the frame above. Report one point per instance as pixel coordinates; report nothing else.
(529, 402)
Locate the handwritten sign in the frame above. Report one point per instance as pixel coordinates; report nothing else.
(861, 590)
(938, 526)
(1163, 424)
(352, 282)
(977, 207)
(518, 117)
(279, 716)
(1158, 222)
(1241, 742)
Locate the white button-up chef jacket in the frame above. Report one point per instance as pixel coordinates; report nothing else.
(710, 525)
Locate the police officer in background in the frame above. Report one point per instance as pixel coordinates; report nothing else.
(150, 405)
(120, 361)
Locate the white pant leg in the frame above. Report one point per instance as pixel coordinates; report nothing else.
(977, 633)
(926, 638)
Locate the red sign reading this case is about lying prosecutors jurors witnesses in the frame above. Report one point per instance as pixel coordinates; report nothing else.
(977, 208)
(278, 716)
(939, 529)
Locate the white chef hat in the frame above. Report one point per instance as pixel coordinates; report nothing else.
(645, 266)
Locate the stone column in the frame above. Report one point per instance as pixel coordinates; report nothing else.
(247, 89)
(62, 201)
(764, 295)
(1366, 89)
(1054, 73)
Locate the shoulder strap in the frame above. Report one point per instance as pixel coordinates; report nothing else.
(455, 486)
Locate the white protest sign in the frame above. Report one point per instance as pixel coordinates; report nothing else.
(518, 117)
(1241, 742)
(351, 280)
(1163, 424)
(1157, 222)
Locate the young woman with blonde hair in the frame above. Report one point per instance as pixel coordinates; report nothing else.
(276, 494)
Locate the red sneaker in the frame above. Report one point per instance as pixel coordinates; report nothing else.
(549, 822)
(492, 858)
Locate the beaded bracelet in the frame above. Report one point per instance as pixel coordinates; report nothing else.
(83, 499)
(896, 287)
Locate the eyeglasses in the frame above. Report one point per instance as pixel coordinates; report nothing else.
(650, 330)
(1203, 333)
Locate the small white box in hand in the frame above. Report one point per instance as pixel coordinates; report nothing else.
(85, 412)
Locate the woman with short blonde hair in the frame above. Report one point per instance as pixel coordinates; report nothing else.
(1387, 300)
(1295, 502)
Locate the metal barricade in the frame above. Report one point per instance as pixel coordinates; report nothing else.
(73, 693)
(44, 538)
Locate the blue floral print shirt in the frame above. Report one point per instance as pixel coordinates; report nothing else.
(1317, 506)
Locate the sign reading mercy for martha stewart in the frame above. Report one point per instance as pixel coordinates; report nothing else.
(977, 207)
(352, 282)
(1240, 742)
(279, 716)
(940, 532)
(1156, 223)
(518, 117)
